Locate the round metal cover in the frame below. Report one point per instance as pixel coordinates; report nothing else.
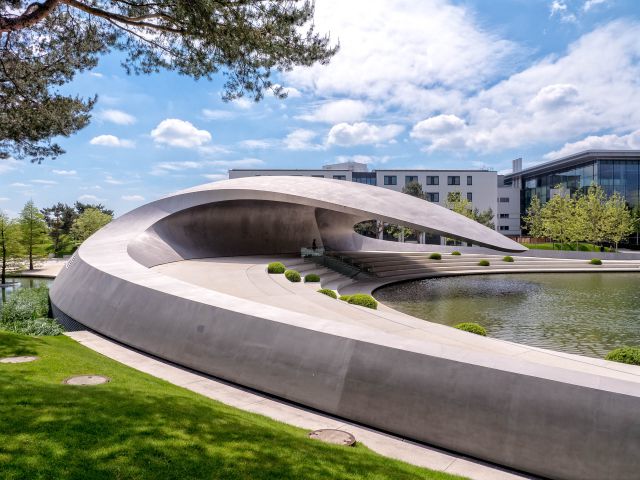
(22, 359)
(86, 380)
(337, 437)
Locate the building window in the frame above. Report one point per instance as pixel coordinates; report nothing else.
(469, 180)
(504, 215)
(339, 177)
(368, 178)
(390, 180)
(409, 179)
(433, 180)
(453, 180)
(504, 227)
(504, 199)
(470, 196)
(318, 176)
(433, 196)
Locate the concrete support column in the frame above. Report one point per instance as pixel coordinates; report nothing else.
(422, 238)
(401, 236)
(380, 225)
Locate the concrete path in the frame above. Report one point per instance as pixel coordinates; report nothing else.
(251, 401)
(48, 269)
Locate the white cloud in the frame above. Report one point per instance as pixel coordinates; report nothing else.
(589, 4)
(368, 159)
(337, 111)
(243, 103)
(178, 167)
(242, 163)
(66, 173)
(258, 144)
(19, 185)
(554, 96)
(90, 198)
(44, 182)
(8, 164)
(438, 125)
(112, 181)
(216, 177)
(630, 141)
(559, 8)
(166, 167)
(290, 91)
(212, 114)
(301, 139)
(361, 133)
(133, 198)
(179, 133)
(4, 199)
(111, 141)
(117, 116)
(392, 49)
(96, 74)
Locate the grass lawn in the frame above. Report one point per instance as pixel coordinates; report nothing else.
(138, 426)
(583, 247)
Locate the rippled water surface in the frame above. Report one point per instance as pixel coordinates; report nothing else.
(585, 313)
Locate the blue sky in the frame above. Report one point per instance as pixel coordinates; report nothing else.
(416, 84)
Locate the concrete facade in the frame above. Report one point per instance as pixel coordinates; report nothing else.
(542, 412)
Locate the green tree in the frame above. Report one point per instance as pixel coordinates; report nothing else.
(459, 205)
(10, 248)
(619, 222)
(44, 44)
(87, 223)
(81, 207)
(591, 214)
(59, 219)
(33, 228)
(414, 189)
(484, 217)
(533, 218)
(557, 215)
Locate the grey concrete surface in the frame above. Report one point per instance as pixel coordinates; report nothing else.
(546, 413)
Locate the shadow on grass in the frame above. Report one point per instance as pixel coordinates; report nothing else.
(13, 345)
(140, 427)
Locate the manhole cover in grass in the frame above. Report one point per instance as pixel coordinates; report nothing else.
(337, 437)
(86, 380)
(23, 359)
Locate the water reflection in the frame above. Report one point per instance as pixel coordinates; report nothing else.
(589, 313)
(16, 283)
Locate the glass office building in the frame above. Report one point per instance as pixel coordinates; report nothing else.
(614, 171)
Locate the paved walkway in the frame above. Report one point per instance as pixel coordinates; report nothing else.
(285, 412)
(48, 269)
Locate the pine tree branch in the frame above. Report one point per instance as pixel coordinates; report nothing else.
(32, 15)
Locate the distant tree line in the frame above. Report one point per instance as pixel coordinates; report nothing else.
(589, 217)
(56, 230)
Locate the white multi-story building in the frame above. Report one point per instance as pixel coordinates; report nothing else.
(483, 188)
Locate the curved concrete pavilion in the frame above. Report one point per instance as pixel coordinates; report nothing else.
(184, 278)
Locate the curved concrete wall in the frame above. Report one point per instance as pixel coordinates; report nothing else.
(491, 403)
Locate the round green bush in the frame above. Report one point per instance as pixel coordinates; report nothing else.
(312, 277)
(508, 259)
(630, 355)
(292, 275)
(328, 292)
(484, 263)
(435, 256)
(455, 252)
(363, 300)
(595, 261)
(276, 267)
(472, 328)
(345, 298)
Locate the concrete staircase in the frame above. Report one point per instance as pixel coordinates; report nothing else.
(328, 278)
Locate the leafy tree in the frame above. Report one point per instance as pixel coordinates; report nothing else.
(484, 217)
(619, 223)
(368, 228)
(10, 248)
(557, 216)
(591, 214)
(533, 218)
(59, 219)
(414, 189)
(81, 207)
(34, 238)
(461, 205)
(44, 44)
(87, 223)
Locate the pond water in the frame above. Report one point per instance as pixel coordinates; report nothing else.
(21, 282)
(585, 313)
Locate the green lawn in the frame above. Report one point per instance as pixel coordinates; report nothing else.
(582, 247)
(138, 426)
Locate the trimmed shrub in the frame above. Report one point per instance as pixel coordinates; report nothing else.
(455, 252)
(276, 267)
(25, 312)
(312, 277)
(595, 261)
(471, 328)
(630, 355)
(292, 275)
(507, 258)
(328, 292)
(435, 256)
(363, 300)
(345, 298)
(484, 263)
